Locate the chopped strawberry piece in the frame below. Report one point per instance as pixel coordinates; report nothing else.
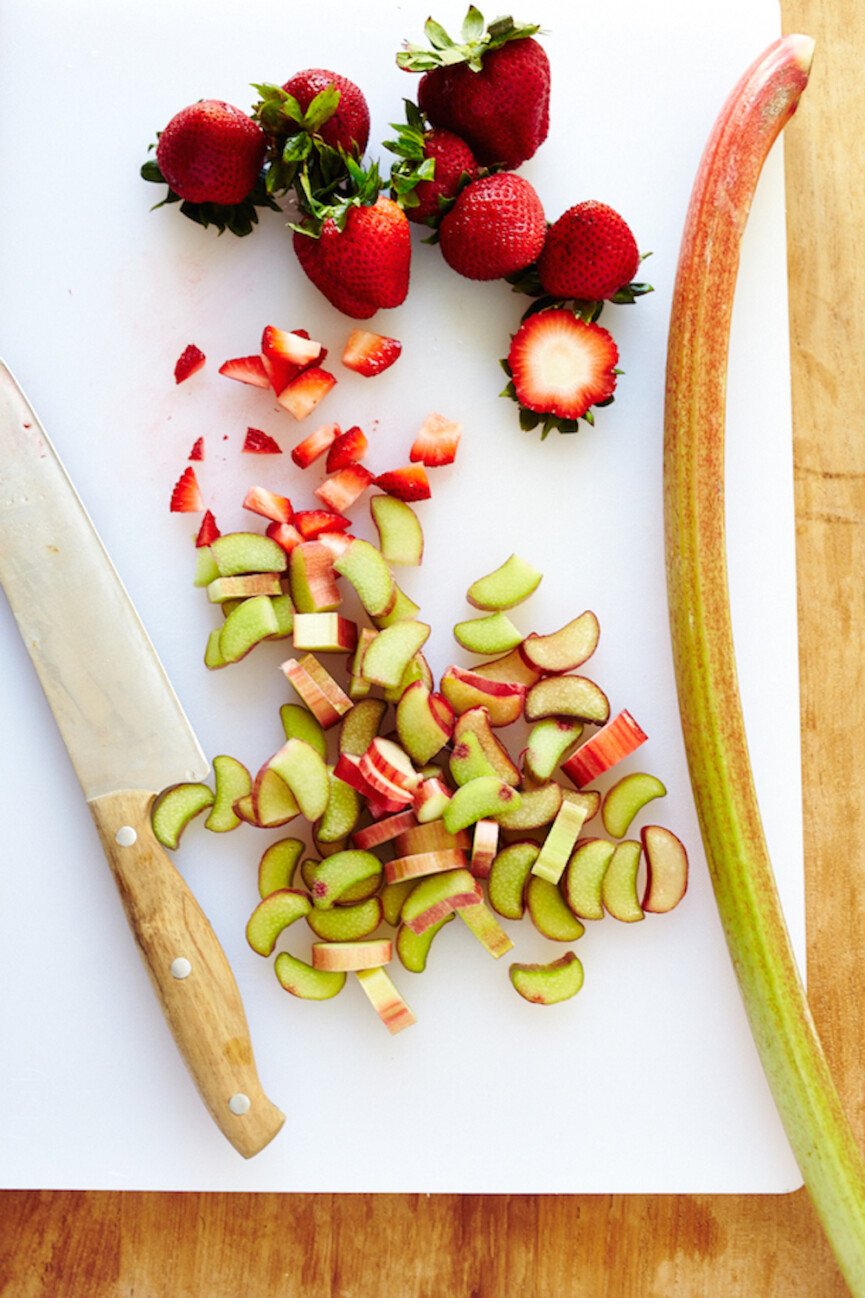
(285, 534)
(410, 483)
(259, 500)
(258, 442)
(436, 442)
(197, 452)
(348, 448)
(186, 497)
(560, 365)
(279, 372)
(190, 360)
(336, 542)
(368, 353)
(246, 369)
(342, 490)
(296, 348)
(208, 531)
(312, 522)
(303, 394)
(315, 445)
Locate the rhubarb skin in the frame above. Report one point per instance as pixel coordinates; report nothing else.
(713, 727)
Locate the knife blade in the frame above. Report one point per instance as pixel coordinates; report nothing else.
(128, 739)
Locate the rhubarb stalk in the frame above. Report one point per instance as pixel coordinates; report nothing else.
(713, 727)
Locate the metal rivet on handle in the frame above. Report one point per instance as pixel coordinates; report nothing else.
(125, 836)
(180, 967)
(240, 1104)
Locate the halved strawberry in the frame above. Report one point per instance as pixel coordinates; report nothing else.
(314, 445)
(285, 534)
(208, 531)
(303, 394)
(410, 483)
(186, 497)
(348, 448)
(297, 348)
(189, 361)
(258, 500)
(560, 365)
(436, 442)
(246, 369)
(258, 442)
(341, 490)
(197, 452)
(368, 353)
(312, 522)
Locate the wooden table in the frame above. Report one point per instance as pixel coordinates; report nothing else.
(108, 1245)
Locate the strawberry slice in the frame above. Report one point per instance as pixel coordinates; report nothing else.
(303, 394)
(315, 445)
(342, 490)
(189, 362)
(186, 497)
(562, 366)
(436, 442)
(348, 448)
(208, 531)
(410, 483)
(279, 372)
(312, 522)
(246, 369)
(296, 348)
(368, 353)
(258, 442)
(258, 500)
(285, 534)
(197, 452)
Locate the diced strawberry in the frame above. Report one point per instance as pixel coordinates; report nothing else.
(186, 497)
(410, 483)
(189, 361)
(303, 394)
(560, 365)
(342, 490)
(296, 348)
(246, 369)
(368, 353)
(336, 542)
(258, 442)
(312, 522)
(259, 500)
(279, 372)
(348, 448)
(315, 445)
(197, 452)
(285, 534)
(436, 442)
(208, 531)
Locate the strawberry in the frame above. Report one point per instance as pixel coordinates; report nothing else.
(211, 152)
(589, 254)
(495, 228)
(368, 353)
(246, 369)
(410, 483)
(436, 442)
(208, 531)
(347, 449)
(434, 165)
(197, 452)
(340, 491)
(314, 445)
(189, 362)
(258, 500)
(492, 90)
(258, 442)
(285, 534)
(186, 495)
(304, 393)
(560, 367)
(348, 126)
(312, 522)
(295, 348)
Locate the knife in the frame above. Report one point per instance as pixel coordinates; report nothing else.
(128, 739)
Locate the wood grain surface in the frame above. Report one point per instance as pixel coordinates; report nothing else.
(110, 1245)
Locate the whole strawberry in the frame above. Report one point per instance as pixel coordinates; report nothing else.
(433, 166)
(211, 152)
(492, 89)
(589, 254)
(495, 228)
(348, 127)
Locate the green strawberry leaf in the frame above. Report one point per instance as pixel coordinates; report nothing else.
(322, 108)
(437, 36)
(473, 26)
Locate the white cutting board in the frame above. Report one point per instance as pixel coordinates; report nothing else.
(648, 1080)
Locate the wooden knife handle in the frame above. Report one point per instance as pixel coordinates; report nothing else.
(189, 971)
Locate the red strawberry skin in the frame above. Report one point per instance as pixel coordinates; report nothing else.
(452, 157)
(589, 254)
(211, 152)
(349, 126)
(495, 228)
(364, 266)
(408, 484)
(503, 111)
(189, 362)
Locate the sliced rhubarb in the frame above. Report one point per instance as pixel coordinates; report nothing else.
(383, 831)
(485, 842)
(567, 696)
(360, 726)
(318, 690)
(238, 552)
(413, 948)
(272, 916)
(423, 863)
(346, 923)
(559, 842)
(481, 922)
(364, 568)
(434, 897)
(508, 586)
(619, 889)
(477, 721)
(400, 535)
(299, 978)
(494, 634)
(278, 864)
(246, 626)
(390, 653)
(232, 781)
(303, 770)
(340, 815)
(175, 808)
(273, 803)
(666, 869)
(627, 798)
(312, 579)
(334, 879)
(509, 876)
(584, 878)
(549, 912)
(464, 690)
(538, 807)
(325, 633)
(430, 799)
(548, 744)
(566, 649)
(379, 989)
(484, 797)
(548, 984)
(244, 586)
(351, 956)
(424, 722)
(618, 739)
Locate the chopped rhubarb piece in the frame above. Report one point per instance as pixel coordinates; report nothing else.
(484, 847)
(348, 448)
(384, 831)
(258, 442)
(197, 452)
(318, 690)
(208, 531)
(259, 500)
(341, 490)
(246, 369)
(325, 633)
(186, 495)
(315, 445)
(285, 534)
(352, 956)
(385, 999)
(368, 353)
(347, 769)
(313, 579)
(312, 522)
(190, 360)
(302, 395)
(409, 483)
(296, 348)
(616, 740)
(389, 771)
(378, 806)
(436, 442)
(424, 863)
